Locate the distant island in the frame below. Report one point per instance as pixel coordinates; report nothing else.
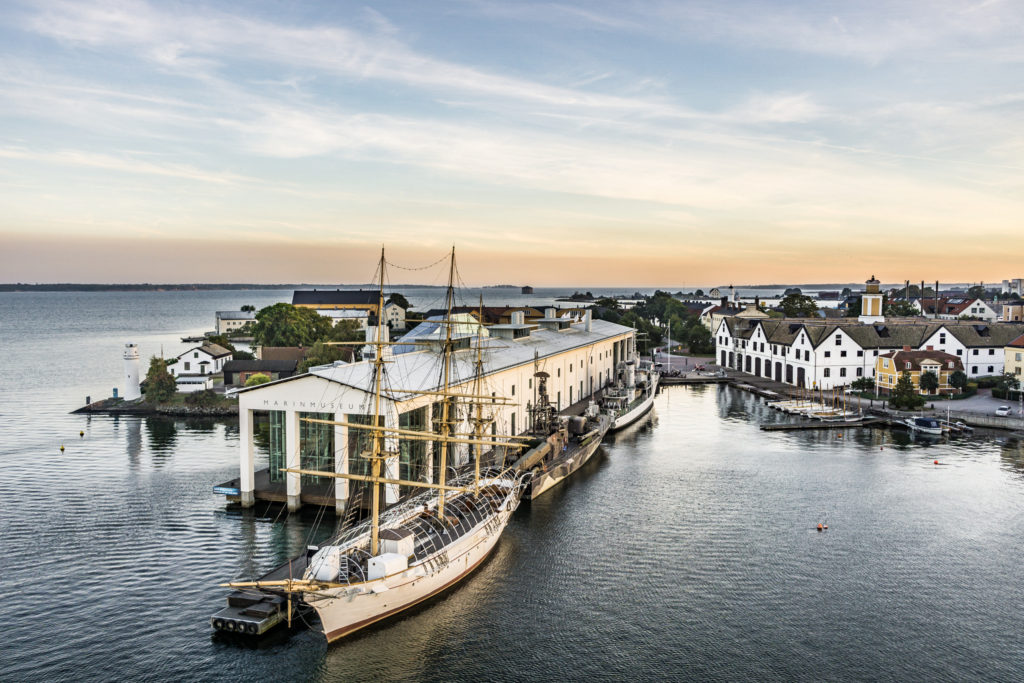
(187, 287)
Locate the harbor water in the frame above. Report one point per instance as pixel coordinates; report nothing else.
(686, 549)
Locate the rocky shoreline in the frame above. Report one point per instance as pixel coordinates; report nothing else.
(118, 406)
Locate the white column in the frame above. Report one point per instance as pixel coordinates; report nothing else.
(291, 440)
(246, 457)
(340, 464)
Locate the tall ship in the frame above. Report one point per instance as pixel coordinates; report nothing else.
(632, 394)
(414, 550)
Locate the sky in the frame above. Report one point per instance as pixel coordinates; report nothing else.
(646, 143)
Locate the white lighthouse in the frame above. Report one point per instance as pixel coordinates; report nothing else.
(131, 372)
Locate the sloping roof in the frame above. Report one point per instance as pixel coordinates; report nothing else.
(420, 370)
(215, 350)
(236, 315)
(985, 334)
(261, 365)
(335, 297)
(948, 305)
(1018, 342)
(916, 358)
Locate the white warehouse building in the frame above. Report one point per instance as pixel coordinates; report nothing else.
(580, 358)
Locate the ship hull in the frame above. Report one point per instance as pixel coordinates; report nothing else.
(546, 480)
(344, 611)
(631, 416)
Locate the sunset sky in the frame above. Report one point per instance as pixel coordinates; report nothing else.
(593, 143)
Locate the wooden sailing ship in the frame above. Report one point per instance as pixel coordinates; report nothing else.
(414, 550)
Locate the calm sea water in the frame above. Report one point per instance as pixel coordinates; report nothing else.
(685, 549)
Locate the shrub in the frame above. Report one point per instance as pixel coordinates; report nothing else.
(201, 399)
(257, 379)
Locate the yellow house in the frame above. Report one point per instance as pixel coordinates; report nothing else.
(1015, 357)
(889, 367)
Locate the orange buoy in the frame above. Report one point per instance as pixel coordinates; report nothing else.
(935, 462)
(62, 448)
(820, 527)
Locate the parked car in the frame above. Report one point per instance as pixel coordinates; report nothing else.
(1003, 411)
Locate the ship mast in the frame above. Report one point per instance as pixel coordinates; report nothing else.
(479, 426)
(378, 435)
(445, 402)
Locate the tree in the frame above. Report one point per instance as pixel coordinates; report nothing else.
(1004, 385)
(904, 396)
(160, 386)
(798, 306)
(699, 292)
(257, 379)
(791, 290)
(958, 380)
(324, 354)
(863, 384)
(286, 325)
(345, 330)
(242, 355)
(397, 298)
(202, 399)
(607, 302)
(249, 308)
(929, 382)
(901, 309)
(845, 293)
(698, 337)
(221, 340)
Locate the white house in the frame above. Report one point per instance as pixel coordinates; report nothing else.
(336, 315)
(187, 384)
(820, 354)
(953, 308)
(208, 359)
(231, 321)
(394, 316)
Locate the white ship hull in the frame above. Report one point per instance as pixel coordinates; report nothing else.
(638, 411)
(343, 611)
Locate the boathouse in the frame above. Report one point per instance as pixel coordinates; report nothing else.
(579, 357)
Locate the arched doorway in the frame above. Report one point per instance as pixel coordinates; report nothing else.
(757, 367)
(778, 372)
(746, 364)
(800, 377)
(723, 359)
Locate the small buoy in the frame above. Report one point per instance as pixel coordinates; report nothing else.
(820, 527)
(81, 433)
(826, 526)
(62, 448)
(881, 448)
(935, 462)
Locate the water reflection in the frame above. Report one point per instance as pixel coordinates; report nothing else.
(163, 434)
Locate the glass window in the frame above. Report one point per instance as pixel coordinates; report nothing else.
(991, 369)
(842, 354)
(827, 354)
(842, 372)
(412, 453)
(860, 372)
(991, 352)
(316, 446)
(827, 373)
(276, 447)
(860, 353)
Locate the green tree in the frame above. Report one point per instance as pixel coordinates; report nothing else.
(286, 325)
(345, 330)
(929, 382)
(699, 292)
(324, 354)
(1004, 385)
(901, 309)
(958, 380)
(202, 399)
(798, 306)
(607, 302)
(397, 298)
(242, 355)
(160, 386)
(698, 337)
(221, 340)
(257, 379)
(904, 396)
(248, 308)
(863, 384)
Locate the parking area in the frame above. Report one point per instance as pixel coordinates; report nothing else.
(982, 403)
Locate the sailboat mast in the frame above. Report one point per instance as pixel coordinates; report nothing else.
(378, 436)
(478, 431)
(447, 357)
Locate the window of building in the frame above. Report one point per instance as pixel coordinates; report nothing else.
(827, 354)
(195, 355)
(807, 355)
(974, 369)
(975, 352)
(959, 352)
(876, 352)
(513, 389)
(991, 369)
(842, 354)
(186, 366)
(950, 365)
(1018, 356)
(842, 372)
(991, 352)
(839, 339)
(942, 338)
(826, 372)
(860, 372)
(559, 372)
(908, 365)
(860, 353)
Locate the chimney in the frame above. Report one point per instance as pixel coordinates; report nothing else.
(936, 299)
(549, 313)
(757, 302)
(906, 348)
(587, 321)
(929, 348)
(725, 301)
(518, 317)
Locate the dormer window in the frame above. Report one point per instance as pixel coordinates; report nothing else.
(908, 365)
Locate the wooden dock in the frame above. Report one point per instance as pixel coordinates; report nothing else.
(822, 424)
